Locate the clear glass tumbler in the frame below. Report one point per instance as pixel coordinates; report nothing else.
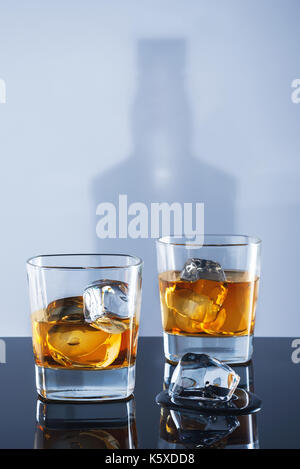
(85, 318)
(208, 292)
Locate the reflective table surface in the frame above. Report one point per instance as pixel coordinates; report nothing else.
(27, 422)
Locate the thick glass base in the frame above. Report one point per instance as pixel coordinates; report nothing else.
(227, 349)
(84, 385)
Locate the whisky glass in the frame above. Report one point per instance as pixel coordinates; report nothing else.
(85, 312)
(208, 291)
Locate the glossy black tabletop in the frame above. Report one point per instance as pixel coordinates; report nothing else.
(26, 422)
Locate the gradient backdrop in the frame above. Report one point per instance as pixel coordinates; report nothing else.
(162, 101)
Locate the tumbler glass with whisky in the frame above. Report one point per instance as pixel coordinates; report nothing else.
(85, 319)
(208, 291)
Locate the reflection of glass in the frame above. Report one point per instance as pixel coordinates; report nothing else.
(86, 426)
(246, 435)
(186, 429)
(209, 305)
(85, 317)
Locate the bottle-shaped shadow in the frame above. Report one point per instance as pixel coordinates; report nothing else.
(162, 167)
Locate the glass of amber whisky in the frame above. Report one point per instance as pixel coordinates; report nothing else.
(85, 318)
(208, 291)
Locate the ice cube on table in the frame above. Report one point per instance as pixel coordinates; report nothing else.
(195, 269)
(65, 309)
(201, 377)
(106, 305)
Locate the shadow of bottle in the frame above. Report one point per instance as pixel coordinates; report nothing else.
(162, 167)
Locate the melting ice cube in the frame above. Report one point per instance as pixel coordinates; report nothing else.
(78, 344)
(195, 269)
(199, 376)
(106, 305)
(72, 342)
(196, 312)
(65, 309)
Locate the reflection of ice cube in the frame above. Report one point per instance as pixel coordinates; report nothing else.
(65, 309)
(202, 431)
(198, 376)
(106, 305)
(195, 269)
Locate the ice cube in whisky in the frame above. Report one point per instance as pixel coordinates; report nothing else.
(208, 307)
(66, 340)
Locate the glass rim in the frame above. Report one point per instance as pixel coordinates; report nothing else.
(32, 261)
(187, 240)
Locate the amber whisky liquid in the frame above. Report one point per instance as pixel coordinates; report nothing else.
(207, 308)
(63, 339)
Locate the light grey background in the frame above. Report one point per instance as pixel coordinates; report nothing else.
(103, 97)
